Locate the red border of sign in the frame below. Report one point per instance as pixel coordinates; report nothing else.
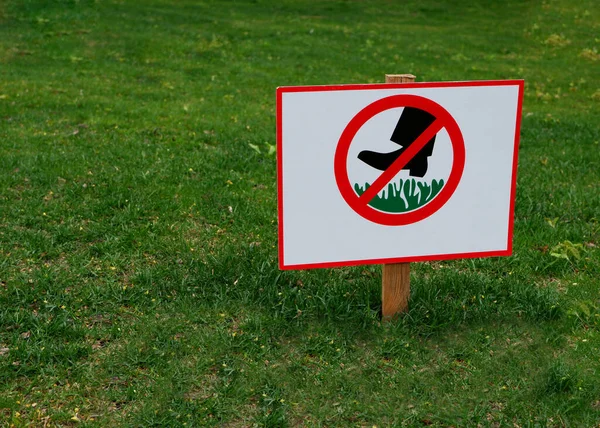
(341, 158)
(353, 87)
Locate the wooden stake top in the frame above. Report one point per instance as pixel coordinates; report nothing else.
(400, 78)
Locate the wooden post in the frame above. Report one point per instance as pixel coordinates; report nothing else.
(395, 278)
(399, 78)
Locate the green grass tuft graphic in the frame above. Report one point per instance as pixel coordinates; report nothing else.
(403, 196)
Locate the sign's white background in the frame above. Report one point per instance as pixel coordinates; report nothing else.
(318, 225)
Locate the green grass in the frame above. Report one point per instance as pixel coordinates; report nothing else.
(138, 265)
(404, 195)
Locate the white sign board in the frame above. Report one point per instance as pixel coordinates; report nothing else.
(396, 172)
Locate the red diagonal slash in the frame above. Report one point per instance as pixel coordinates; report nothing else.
(401, 161)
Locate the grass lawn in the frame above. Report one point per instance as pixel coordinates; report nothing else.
(139, 283)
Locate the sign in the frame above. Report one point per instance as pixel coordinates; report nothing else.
(391, 173)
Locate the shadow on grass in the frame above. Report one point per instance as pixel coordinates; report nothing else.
(350, 298)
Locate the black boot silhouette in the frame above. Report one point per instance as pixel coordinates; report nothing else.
(412, 123)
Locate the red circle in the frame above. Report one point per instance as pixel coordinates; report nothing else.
(343, 148)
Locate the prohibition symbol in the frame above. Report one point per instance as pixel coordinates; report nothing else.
(413, 156)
